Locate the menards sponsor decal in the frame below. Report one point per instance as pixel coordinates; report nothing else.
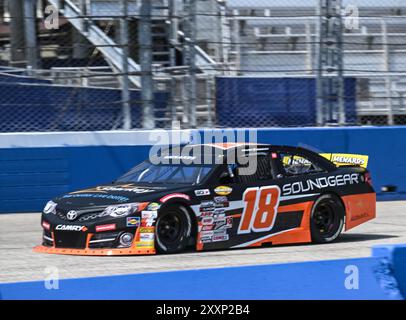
(336, 158)
(347, 159)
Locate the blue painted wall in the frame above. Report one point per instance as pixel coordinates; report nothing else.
(42, 107)
(261, 102)
(31, 176)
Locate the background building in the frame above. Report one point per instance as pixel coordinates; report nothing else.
(112, 64)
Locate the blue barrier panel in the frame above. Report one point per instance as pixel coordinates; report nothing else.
(384, 145)
(392, 265)
(334, 279)
(30, 177)
(261, 102)
(63, 108)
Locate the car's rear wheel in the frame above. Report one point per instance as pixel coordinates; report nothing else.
(173, 229)
(327, 219)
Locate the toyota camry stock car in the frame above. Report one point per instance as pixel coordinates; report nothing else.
(293, 195)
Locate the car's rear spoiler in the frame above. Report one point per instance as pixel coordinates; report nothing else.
(346, 159)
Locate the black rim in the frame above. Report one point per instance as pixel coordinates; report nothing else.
(324, 219)
(169, 228)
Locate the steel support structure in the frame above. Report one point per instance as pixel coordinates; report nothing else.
(17, 33)
(330, 80)
(147, 84)
(2, 5)
(173, 45)
(125, 91)
(189, 24)
(31, 45)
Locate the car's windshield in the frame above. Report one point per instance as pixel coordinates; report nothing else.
(146, 172)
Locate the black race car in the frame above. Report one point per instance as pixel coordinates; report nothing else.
(242, 195)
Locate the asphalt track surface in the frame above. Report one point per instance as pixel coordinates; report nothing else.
(19, 233)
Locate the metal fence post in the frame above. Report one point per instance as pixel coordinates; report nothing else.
(388, 85)
(145, 45)
(193, 83)
(330, 80)
(173, 43)
(17, 32)
(31, 34)
(237, 46)
(190, 8)
(125, 93)
(320, 108)
(386, 66)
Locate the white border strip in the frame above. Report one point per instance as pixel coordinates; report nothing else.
(90, 138)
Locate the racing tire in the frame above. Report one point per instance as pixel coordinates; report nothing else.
(173, 229)
(327, 219)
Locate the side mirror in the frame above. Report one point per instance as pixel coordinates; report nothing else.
(225, 174)
(225, 178)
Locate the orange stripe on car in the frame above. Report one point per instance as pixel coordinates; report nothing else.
(359, 208)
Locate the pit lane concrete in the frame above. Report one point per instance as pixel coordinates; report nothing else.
(19, 233)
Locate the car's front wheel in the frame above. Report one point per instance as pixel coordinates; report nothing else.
(173, 229)
(327, 219)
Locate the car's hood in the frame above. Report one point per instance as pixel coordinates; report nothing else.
(105, 195)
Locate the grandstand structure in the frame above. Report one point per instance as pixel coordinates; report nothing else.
(193, 42)
(285, 35)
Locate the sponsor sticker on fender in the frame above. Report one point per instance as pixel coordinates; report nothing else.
(147, 222)
(146, 237)
(205, 239)
(147, 229)
(223, 190)
(220, 238)
(224, 224)
(207, 205)
(205, 234)
(149, 214)
(207, 221)
(133, 221)
(207, 213)
(145, 244)
(202, 192)
(106, 227)
(208, 227)
(153, 206)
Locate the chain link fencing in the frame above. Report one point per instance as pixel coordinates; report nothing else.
(211, 63)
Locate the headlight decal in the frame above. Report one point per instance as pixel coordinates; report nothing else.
(50, 207)
(125, 209)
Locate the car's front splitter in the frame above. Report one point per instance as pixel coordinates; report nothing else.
(96, 252)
